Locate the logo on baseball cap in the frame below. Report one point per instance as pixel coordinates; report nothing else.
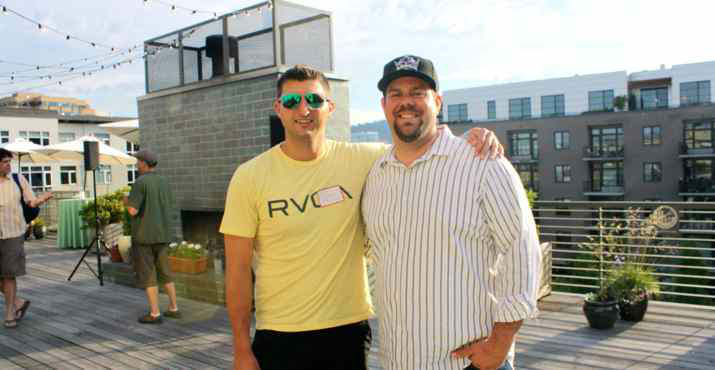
(408, 65)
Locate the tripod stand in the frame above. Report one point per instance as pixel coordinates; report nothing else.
(98, 241)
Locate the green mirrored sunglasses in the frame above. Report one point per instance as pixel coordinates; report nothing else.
(290, 101)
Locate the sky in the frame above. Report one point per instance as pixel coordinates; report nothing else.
(472, 43)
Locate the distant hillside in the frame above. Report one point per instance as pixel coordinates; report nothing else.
(378, 126)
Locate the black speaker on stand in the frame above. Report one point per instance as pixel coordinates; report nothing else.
(91, 162)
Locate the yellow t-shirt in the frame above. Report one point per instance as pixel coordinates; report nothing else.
(308, 257)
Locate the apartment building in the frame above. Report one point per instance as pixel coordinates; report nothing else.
(611, 136)
(45, 127)
(61, 105)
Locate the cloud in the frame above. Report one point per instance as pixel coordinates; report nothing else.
(472, 42)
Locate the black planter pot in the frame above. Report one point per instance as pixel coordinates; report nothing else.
(38, 233)
(601, 315)
(633, 311)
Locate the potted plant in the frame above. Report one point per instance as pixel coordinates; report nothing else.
(619, 102)
(632, 286)
(624, 245)
(190, 258)
(110, 210)
(601, 308)
(38, 228)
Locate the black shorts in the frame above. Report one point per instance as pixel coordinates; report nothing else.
(340, 348)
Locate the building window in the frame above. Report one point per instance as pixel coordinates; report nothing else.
(606, 140)
(601, 100)
(529, 174)
(696, 92)
(562, 140)
(562, 173)
(39, 177)
(457, 112)
(652, 172)
(651, 135)
(654, 98)
(132, 173)
(492, 109)
(524, 144)
(606, 175)
(699, 135)
(519, 108)
(104, 174)
(68, 175)
(552, 105)
(66, 136)
(102, 137)
(696, 169)
(4, 137)
(132, 148)
(37, 137)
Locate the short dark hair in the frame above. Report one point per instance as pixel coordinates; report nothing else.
(301, 72)
(4, 153)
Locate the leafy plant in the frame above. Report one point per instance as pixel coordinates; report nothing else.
(532, 196)
(629, 244)
(187, 250)
(110, 209)
(126, 223)
(632, 283)
(38, 222)
(620, 102)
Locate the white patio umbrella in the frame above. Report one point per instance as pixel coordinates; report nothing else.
(74, 151)
(127, 130)
(28, 150)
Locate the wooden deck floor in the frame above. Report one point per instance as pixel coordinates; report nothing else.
(79, 324)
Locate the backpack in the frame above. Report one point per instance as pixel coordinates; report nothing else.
(30, 213)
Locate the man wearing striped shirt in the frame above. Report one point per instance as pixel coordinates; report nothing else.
(293, 215)
(452, 237)
(12, 236)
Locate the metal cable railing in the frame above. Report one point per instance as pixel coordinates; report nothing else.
(675, 241)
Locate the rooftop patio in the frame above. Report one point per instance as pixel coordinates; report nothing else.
(79, 324)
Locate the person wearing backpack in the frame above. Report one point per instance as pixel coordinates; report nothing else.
(18, 206)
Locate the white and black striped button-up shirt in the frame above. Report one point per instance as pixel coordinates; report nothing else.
(455, 250)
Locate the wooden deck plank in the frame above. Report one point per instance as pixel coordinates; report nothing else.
(79, 324)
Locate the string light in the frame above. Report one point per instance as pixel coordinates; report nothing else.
(44, 28)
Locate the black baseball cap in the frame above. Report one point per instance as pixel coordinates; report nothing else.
(409, 65)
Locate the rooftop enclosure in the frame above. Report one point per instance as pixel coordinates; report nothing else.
(209, 99)
(254, 38)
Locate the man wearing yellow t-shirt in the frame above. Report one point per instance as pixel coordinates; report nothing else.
(293, 215)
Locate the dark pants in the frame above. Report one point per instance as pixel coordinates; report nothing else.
(505, 366)
(340, 348)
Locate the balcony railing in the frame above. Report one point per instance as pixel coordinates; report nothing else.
(601, 188)
(603, 153)
(524, 158)
(696, 186)
(686, 151)
(681, 253)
